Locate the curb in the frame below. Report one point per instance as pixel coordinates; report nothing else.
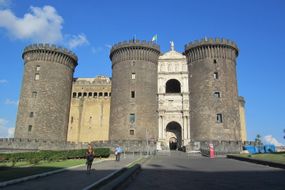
(118, 178)
(23, 179)
(256, 161)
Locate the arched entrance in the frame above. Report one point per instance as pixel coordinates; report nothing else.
(173, 135)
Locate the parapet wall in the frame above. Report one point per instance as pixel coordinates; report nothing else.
(21, 144)
(47, 52)
(211, 48)
(135, 50)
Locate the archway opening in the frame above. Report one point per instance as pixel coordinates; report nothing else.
(172, 143)
(173, 133)
(173, 86)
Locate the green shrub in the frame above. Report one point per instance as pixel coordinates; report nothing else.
(35, 157)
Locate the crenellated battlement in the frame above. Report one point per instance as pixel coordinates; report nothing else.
(211, 48)
(211, 41)
(135, 50)
(49, 52)
(139, 43)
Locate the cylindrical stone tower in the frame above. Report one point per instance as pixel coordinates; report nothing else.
(43, 111)
(134, 90)
(214, 106)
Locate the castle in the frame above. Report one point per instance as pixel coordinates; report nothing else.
(171, 99)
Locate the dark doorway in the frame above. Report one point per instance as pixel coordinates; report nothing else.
(172, 143)
(173, 86)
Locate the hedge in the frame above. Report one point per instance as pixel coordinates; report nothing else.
(35, 157)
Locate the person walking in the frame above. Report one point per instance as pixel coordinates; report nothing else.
(89, 157)
(118, 151)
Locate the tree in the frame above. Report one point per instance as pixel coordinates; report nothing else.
(257, 139)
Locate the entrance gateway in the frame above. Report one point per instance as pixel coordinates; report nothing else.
(173, 133)
(173, 101)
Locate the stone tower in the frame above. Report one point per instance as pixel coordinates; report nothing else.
(134, 90)
(43, 111)
(214, 105)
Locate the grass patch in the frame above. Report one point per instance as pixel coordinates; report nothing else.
(274, 157)
(23, 169)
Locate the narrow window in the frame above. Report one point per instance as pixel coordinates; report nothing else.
(95, 94)
(71, 119)
(30, 128)
(34, 94)
(133, 94)
(106, 94)
(90, 94)
(219, 118)
(216, 75)
(31, 114)
(217, 94)
(133, 75)
(215, 61)
(79, 95)
(132, 118)
(74, 95)
(132, 132)
(110, 94)
(38, 68)
(37, 76)
(100, 94)
(84, 94)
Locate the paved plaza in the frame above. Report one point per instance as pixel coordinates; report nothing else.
(176, 170)
(74, 179)
(169, 170)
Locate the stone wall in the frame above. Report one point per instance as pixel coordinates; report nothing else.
(89, 109)
(46, 91)
(129, 146)
(214, 107)
(134, 88)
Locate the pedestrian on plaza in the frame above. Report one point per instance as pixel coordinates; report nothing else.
(89, 157)
(118, 151)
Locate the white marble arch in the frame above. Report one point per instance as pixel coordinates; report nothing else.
(173, 107)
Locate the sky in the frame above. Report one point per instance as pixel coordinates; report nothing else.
(90, 28)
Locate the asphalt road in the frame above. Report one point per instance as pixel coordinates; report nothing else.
(179, 171)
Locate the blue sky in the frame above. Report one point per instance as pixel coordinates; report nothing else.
(90, 28)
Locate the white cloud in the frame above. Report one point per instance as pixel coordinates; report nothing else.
(11, 132)
(11, 102)
(96, 49)
(3, 129)
(77, 40)
(39, 25)
(269, 139)
(3, 81)
(108, 46)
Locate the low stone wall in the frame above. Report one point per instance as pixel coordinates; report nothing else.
(19, 144)
(220, 147)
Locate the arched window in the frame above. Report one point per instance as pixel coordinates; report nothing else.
(74, 94)
(90, 94)
(173, 86)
